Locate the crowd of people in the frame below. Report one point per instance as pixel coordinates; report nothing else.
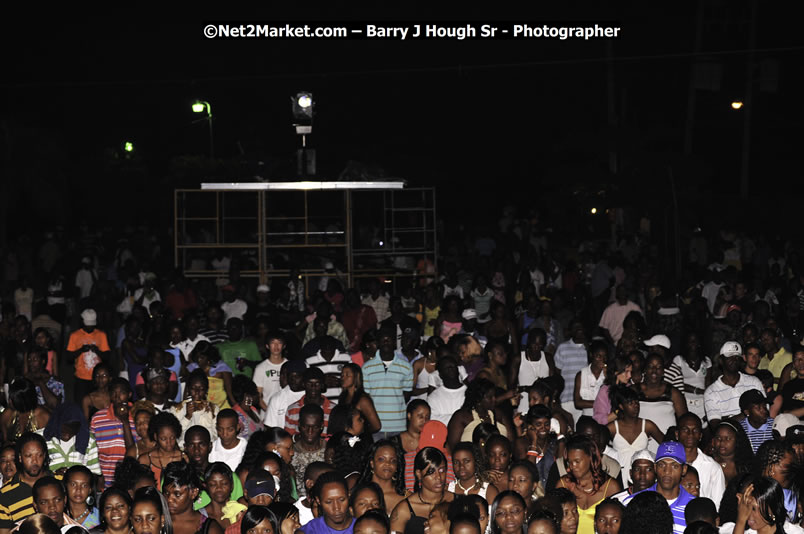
(517, 393)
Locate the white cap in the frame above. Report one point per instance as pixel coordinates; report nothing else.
(328, 266)
(731, 348)
(644, 454)
(783, 421)
(660, 340)
(469, 313)
(89, 317)
(262, 288)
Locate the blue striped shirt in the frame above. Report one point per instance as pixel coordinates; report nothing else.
(758, 436)
(570, 358)
(676, 507)
(385, 385)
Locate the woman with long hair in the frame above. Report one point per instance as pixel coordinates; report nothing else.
(618, 373)
(586, 479)
(508, 514)
(114, 507)
(430, 489)
(274, 464)
(353, 394)
(287, 517)
(761, 506)
(149, 512)
(417, 413)
(181, 487)
(386, 468)
(731, 449)
(44, 340)
(24, 413)
(259, 519)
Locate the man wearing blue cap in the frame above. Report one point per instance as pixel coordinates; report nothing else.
(671, 465)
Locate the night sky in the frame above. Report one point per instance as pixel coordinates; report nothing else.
(487, 121)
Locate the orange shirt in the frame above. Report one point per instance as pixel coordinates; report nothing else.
(87, 360)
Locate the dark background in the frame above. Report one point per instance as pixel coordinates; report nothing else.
(489, 122)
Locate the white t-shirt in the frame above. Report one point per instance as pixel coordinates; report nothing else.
(278, 406)
(238, 309)
(230, 457)
(266, 376)
(529, 372)
(435, 381)
(444, 402)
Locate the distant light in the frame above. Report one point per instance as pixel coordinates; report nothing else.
(128, 146)
(198, 107)
(737, 104)
(381, 243)
(388, 281)
(593, 211)
(305, 101)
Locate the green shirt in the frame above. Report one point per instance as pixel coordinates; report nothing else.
(245, 348)
(203, 498)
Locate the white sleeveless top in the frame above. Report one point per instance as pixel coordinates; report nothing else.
(626, 450)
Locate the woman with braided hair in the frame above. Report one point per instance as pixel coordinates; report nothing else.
(776, 460)
(386, 467)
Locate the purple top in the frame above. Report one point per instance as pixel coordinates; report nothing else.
(602, 407)
(318, 526)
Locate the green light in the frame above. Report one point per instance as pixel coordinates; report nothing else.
(198, 107)
(129, 146)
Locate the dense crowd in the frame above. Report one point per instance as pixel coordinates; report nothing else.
(522, 390)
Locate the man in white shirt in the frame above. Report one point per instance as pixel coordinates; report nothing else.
(233, 306)
(447, 399)
(292, 389)
(266, 374)
(330, 361)
(722, 397)
(228, 448)
(710, 474)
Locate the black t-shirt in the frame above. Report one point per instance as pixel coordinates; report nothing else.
(793, 395)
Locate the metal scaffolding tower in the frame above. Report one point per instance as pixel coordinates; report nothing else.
(365, 229)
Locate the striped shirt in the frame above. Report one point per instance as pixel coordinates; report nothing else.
(570, 358)
(331, 367)
(721, 400)
(16, 502)
(108, 431)
(676, 507)
(63, 454)
(386, 386)
(292, 415)
(758, 436)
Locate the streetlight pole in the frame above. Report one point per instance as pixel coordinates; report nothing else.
(202, 106)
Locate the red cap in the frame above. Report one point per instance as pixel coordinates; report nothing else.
(434, 434)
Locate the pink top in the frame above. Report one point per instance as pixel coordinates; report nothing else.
(602, 407)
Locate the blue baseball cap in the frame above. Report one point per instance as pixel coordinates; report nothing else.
(673, 450)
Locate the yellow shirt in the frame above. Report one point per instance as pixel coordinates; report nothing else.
(775, 366)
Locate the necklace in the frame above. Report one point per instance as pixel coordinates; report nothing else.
(80, 517)
(465, 490)
(430, 503)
